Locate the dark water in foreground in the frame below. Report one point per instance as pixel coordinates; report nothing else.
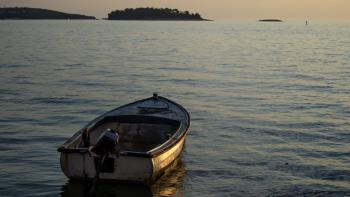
(269, 103)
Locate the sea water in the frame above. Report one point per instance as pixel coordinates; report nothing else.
(269, 102)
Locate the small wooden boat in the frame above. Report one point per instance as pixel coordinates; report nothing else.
(135, 142)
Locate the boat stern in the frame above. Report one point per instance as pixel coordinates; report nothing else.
(82, 166)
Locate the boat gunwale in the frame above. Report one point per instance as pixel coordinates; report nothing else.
(152, 153)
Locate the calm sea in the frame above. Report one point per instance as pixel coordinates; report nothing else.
(270, 102)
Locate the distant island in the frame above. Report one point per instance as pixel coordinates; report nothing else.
(153, 14)
(38, 13)
(270, 20)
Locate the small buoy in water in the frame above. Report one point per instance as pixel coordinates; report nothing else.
(287, 164)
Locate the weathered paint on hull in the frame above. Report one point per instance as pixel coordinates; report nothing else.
(81, 166)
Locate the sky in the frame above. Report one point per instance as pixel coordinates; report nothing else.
(211, 9)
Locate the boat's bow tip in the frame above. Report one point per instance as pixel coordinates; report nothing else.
(155, 95)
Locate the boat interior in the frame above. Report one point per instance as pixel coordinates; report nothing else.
(136, 133)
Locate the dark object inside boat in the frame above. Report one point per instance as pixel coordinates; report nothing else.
(107, 142)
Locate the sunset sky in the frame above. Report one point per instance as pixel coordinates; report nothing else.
(213, 9)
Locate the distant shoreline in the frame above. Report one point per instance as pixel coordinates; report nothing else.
(129, 14)
(25, 13)
(148, 14)
(151, 19)
(270, 20)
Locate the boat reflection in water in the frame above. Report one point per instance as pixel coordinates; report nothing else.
(169, 184)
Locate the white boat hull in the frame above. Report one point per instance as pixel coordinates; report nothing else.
(81, 166)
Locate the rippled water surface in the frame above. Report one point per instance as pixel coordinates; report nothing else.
(270, 103)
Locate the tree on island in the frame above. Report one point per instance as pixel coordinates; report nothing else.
(153, 14)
